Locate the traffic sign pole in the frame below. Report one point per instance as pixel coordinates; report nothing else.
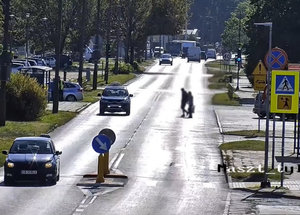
(106, 163)
(100, 176)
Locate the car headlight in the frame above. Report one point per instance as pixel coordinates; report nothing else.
(48, 165)
(10, 165)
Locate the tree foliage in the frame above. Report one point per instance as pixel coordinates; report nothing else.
(129, 20)
(285, 33)
(208, 16)
(234, 35)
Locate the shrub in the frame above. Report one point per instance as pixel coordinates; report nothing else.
(125, 68)
(26, 99)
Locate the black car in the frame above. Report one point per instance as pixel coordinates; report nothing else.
(115, 98)
(32, 158)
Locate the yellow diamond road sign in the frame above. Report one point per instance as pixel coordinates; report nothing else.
(285, 92)
(260, 76)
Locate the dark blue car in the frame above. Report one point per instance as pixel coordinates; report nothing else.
(32, 158)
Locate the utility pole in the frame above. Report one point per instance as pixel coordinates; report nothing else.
(81, 41)
(107, 46)
(27, 45)
(5, 61)
(239, 54)
(57, 63)
(96, 53)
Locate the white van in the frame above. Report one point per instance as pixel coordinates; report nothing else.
(194, 54)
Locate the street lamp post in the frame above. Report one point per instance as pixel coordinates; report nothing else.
(265, 182)
(44, 35)
(27, 17)
(12, 16)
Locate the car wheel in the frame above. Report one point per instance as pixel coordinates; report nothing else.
(101, 110)
(171, 63)
(128, 112)
(261, 115)
(159, 63)
(71, 98)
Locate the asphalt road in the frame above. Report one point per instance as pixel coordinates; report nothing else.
(171, 162)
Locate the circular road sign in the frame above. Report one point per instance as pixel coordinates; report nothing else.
(109, 133)
(101, 143)
(278, 59)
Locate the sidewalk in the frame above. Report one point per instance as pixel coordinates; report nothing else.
(69, 106)
(242, 118)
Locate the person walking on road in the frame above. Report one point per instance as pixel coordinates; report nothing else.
(184, 100)
(191, 104)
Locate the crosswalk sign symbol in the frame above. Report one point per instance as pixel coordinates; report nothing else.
(285, 84)
(284, 102)
(284, 92)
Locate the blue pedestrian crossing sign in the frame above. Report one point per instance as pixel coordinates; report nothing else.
(285, 84)
(101, 143)
(285, 92)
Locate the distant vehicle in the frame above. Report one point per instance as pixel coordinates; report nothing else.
(158, 51)
(194, 54)
(211, 53)
(72, 91)
(203, 55)
(259, 106)
(115, 98)
(185, 45)
(50, 61)
(24, 62)
(16, 67)
(174, 48)
(39, 61)
(166, 59)
(65, 60)
(32, 158)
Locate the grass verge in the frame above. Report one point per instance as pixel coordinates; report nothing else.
(44, 125)
(252, 145)
(223, 99)
(246, 133)
(255, 175)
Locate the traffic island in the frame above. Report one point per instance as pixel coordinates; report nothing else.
(113, 179)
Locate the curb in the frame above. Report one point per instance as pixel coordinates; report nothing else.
(224, 165)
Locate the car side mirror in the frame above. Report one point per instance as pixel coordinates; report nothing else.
(58, 152)
(130, 95)
(5, 152)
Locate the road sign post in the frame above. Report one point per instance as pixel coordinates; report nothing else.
(284, 99)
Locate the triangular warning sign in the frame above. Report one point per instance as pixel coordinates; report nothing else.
(260, 69)
(285, 86)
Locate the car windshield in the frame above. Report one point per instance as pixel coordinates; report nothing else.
(166, 56)
(31, 147)
(115, 92)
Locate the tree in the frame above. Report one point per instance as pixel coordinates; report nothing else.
(286, 30)
(234, 35)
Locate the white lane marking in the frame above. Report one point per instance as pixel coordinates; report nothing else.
(116, 164)
(83, 201)
(93, 199)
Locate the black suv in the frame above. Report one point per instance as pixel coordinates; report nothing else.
(115, 98)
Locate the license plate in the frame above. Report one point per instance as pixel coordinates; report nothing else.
(29, 172)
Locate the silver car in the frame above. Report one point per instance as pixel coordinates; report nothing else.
(71, 92)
